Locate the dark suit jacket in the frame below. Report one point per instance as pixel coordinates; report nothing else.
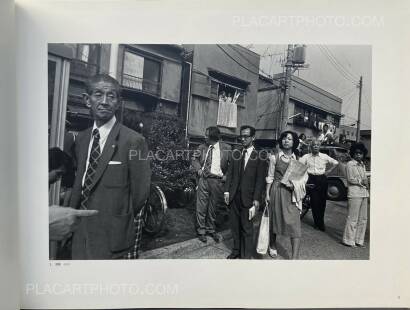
(119, 191)
(251, 181)
(199, 155)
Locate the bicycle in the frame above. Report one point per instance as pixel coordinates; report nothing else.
(155, 210)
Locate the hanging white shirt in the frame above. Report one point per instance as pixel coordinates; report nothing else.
(104, 131)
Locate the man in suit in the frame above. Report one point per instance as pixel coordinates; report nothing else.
(113, 177)
(244, 184)
(210, 161)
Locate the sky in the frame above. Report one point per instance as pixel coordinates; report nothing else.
(334, 68)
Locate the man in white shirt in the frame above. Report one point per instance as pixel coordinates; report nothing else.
(210, 161)
(319, 165)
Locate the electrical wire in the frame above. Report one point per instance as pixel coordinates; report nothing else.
(333, 63)
(245, 58)
(349, 101)
(354, 77)
(336, 67)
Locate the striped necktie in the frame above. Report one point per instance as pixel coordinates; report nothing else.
(92, 167)
(208, 162)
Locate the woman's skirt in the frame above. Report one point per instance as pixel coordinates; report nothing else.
(284, 215)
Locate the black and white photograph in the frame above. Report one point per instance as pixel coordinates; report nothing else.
(204, 154)
(209, 151)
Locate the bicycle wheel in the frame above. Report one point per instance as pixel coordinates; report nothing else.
(155, 210)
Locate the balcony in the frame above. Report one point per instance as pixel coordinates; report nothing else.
(138, 84)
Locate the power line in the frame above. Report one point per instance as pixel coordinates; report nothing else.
(339, 64)
(335, 66)
(245, 58)
(355, 120)
(349, 91)
(241, 65)
(349, 101)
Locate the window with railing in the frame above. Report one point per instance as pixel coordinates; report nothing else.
(86, 61)
(229, 98)
(233, 94)
(308, 117)
(141, 73)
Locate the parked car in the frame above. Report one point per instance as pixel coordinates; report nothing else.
(337, 180)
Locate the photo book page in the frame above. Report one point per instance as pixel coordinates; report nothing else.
(192, 154)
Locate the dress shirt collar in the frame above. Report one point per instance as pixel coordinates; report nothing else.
(105, 129)
(281, 153)
(215, 146)
(249, 150)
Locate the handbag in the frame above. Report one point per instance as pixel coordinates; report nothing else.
(263, 238)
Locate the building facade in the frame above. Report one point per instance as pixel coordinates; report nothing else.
(186, 82)
(350, 132)
(224, 87)
(309, 108)
(153, 79)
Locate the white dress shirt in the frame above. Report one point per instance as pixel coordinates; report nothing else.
(216, 160)
(317, 163)
(104, 131)
(248, 153)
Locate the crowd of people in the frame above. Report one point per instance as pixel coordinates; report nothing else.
(102, 216)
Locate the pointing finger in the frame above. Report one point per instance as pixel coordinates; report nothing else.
(85, 213)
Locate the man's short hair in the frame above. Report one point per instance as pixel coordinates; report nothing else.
(214, 133)
(315, 140)
(252, 130)
(103, 77)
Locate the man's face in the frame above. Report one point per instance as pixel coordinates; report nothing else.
(315, 147)
(325, 128)
(246, 138)
(103, 101)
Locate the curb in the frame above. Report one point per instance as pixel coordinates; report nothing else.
(177, 249)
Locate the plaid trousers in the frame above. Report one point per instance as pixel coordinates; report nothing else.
(138, 222)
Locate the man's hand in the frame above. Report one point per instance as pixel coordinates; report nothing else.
(252, 212)
(226, 198)
(267, 198)
(290, 186)
(256, 204)
(199, 172)
(63, 221)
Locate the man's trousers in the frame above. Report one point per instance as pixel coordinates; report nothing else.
(242, 229)
(209, 196)
(318, 197)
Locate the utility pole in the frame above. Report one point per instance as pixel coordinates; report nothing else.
(288, 83)
(360, 109)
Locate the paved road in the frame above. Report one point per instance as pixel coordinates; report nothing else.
(315, 244)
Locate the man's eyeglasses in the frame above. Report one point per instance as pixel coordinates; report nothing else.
(244, 137)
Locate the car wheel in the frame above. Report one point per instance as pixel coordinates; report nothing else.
(336, 190)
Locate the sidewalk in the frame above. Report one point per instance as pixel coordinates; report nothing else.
(195, 249)
(315, 245)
